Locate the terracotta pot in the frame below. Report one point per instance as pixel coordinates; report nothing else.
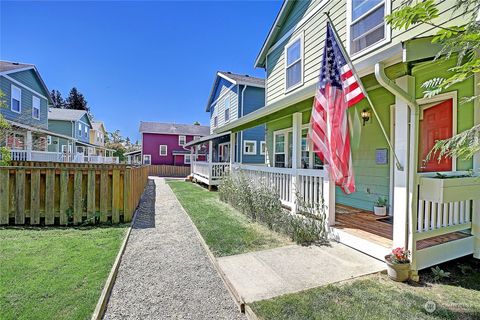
(399, 272)
(380, 211)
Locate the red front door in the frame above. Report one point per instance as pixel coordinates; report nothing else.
(437, 124)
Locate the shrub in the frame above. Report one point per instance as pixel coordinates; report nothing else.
(258, 201)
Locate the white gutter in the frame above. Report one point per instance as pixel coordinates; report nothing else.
(393, 87)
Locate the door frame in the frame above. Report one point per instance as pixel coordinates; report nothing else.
(425, 103)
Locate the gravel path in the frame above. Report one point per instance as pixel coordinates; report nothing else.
(165, 272)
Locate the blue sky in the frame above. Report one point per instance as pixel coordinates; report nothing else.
(137, 61)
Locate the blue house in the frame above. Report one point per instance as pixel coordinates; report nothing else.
(232, 97)
(27, 101)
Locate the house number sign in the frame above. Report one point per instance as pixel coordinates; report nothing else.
(381, 156)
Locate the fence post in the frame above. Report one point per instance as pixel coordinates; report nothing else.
(20, 196)
(127, 213)
(63, 196)
(4, 195)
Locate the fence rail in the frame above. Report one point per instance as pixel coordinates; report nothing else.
(210, 173)
(63, 195)
(168, 171)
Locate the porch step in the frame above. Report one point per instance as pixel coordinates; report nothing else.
(370, 248)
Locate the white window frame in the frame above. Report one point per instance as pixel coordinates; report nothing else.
(196, 137)
(34, 107)
(388, 29)
(263, 145)
(254, 152)
(286, 151)
(215, 121)
(189, 157)
(49, 140)
(160, 150)
(86, 131)
(180, 138)
(147, 156)
(301, 59)
(227, 108)
(13, 87)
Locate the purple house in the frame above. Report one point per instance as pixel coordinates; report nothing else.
(163, 143)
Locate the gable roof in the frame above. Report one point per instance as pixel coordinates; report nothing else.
(173, 128)
(97, 125)
(282, 15)
(67, 114)
(7, 67)
(234, 79)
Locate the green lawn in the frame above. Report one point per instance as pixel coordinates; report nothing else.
(55, 273)
(225, 230)
(376, 297)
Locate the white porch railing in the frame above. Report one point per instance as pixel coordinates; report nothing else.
(210, 173)
(444, 206)
(312, 185)
(46, 156)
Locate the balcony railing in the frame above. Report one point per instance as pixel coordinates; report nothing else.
(46, 156)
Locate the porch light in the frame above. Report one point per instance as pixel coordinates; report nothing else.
(365, 114)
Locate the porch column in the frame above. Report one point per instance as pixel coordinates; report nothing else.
(401, 193)
(232, 149)
(476, 168)
(28, 144)
(193, 158)
(296, 155)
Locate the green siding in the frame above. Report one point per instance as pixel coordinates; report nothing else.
(30, 79)
(465, 112)
(61, 127)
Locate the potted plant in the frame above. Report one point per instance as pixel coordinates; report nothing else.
(380, 206)
(398, 264)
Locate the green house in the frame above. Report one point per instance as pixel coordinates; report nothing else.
(392, 65)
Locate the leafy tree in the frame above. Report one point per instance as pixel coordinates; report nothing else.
(462, 41)
(58, 101)
(116, 142)
(76, 100)
(196, 123)
(5, 156)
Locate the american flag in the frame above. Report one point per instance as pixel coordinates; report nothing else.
(338, 89)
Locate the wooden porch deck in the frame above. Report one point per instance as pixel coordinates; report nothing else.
(364, 224)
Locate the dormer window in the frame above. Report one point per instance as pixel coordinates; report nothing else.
(215, 121)
(294, 63)
(367, 24)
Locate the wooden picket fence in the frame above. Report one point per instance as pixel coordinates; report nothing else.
(169, 171)
(60, 195)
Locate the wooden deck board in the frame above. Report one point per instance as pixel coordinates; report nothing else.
(430, 242)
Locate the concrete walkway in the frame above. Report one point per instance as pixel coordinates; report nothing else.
(266, 274)
(165, 272)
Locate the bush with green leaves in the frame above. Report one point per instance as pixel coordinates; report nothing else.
(260, 202)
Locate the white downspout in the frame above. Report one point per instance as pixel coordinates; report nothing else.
(412, 158)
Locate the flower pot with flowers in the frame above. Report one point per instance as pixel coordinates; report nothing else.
(398, 264)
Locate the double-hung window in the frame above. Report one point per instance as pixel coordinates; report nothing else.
(187, 159)
(86, 131)
(16, 99)
(35, 108)
(227, 109)
(250, 147)
(294, 64)
(182, 140)
(263, 147)
(163, 150)
(79, 129)
(367, 23)
(215, 121)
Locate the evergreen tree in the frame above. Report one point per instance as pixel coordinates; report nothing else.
(58, 101)
(76, 100)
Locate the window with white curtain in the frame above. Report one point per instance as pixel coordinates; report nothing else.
(367, 23)
(294, 64)
(16, 99)
(35, 108)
